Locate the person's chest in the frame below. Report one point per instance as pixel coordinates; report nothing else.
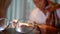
(41, 17)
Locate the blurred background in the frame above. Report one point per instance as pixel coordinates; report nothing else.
(20, 9)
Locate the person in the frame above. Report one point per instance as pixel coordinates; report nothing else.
(39, 14)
